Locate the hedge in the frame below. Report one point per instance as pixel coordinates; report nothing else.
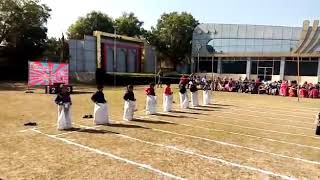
(123, 79)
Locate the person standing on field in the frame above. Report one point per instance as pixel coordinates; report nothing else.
(63, 101)
(100, 113)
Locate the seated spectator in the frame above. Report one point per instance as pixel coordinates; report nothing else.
(284, 88)
(314, 92)
(293, 91)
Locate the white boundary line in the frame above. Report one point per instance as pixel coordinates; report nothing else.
(273, 113)
(97, 151)
(227, 163)
(240, 134)
(295, 108)
(259, 122)
(246, 127)
(214, 141)
(268, 117)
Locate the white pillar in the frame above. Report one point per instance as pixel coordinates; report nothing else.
(192, 65)
(318, 69)
(282, 66)
(248, 71)
(219, 66)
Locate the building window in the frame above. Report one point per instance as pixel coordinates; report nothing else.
(254, 66)
(307, 68)
(205, 65)
(276, 68)
(233, 67)
(272, 64)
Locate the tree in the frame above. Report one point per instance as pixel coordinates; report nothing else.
(56, 50)
(93, 21)
(23, 26)
(172, 36)
(129, 25)
(19, 16)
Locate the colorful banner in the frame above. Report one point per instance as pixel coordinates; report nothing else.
(41, 73)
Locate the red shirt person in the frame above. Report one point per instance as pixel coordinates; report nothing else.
(150, 90)
(167, 90)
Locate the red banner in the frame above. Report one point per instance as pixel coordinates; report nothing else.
(41, 73)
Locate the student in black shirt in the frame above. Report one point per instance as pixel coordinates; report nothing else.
(129, 104)
(100, 107)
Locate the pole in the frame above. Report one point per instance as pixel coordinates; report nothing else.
(155, 67)
(212, 66)
(114, 55)
(298, 77)
(198, 69)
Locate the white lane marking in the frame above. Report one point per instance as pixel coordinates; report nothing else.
(97, 151)
(275, 111)
(268, 113)
(259, 122)
(227, 163)
(213, 158)
(214, 141)
(246, 127)
(278, 107)
(240, 134)
(268, 117)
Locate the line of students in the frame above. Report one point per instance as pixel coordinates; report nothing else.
(101, 116)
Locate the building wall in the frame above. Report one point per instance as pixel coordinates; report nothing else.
(129, 55)
(243, 38)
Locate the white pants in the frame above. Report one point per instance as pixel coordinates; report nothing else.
(100, 114)
(129, 108)
(151, 105)
(194, 99)
(167, 102)
(206, 97)
(64, 116)
(184, 100)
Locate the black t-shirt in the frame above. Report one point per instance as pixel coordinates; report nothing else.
(183, 89)
(193, 88)
(129, 95)
(98, 97)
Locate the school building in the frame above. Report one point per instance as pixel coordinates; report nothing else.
(109, 53)
(257, 51)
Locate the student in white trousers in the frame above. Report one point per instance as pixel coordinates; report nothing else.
(63, 101)
(167, 98)
(206, 94)
(151, 102)
(194, 95)
(184, 100)
(129, 104)
(100, 112)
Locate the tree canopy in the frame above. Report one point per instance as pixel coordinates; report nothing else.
(23, 26)
(129, 25)
(172, 36)
(93, 21)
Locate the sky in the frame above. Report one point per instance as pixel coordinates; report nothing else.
(260, 12)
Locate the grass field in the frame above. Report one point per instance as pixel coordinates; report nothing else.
(239, 136)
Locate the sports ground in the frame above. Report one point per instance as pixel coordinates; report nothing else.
(238, 136)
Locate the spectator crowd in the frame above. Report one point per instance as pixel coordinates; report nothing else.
(281, 88)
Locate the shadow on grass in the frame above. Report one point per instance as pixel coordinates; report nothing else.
(91, 131)
(152, 121)
(212, 107)
(126, 126)
(200, 109)
(186, 112)
(216, 104)
(170, 115)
